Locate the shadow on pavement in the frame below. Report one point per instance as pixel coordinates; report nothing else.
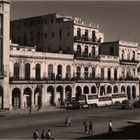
(129, 132)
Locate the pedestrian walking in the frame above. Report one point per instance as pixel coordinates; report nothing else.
(43, 134)
(90, 127)
(48, 135)
(35, 134)
(68, 121)
(110, 129)
(85, 127)
(30, 110)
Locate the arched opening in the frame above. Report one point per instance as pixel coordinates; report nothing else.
(51, 98)
(93, 73)
(27, 97)
(133, 92)
(78, 91)
(128, 92)
(93, 51)
(86, 51)
(37, 71)
(102, 90)
(27, 71)
(86, 35)
(86, 73)
(1, 97)
(123, 89)
(93, 36)
(68, 91)
(78, 73)
(51, 75)
(109, 89)
(102, 73)
(115, 89)
(93, 90)
(133, 55)
(78, 52)
(59, 72)
(78, 33)
(37, 97)
(109, 74)
(16, 70)
(68, 72)
(122, 55)
(60, 95)
(16, 98)
(86, 90)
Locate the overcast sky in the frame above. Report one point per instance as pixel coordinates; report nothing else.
(117, 20)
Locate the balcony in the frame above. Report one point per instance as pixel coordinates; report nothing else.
(15, 80)
(85, 56)
(128, 78)
(129, 62)
(84, 39)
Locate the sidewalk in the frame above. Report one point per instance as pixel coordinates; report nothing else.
(136, 121)
(4, 113)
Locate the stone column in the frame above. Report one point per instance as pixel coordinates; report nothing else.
(22, 98)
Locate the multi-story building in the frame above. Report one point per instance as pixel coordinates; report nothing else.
(57, 33)
(29, 77)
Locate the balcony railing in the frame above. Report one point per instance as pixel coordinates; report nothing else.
(129, 79)
(84, 38)
(129, 61)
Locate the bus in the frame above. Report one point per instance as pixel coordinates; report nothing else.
(93, 101)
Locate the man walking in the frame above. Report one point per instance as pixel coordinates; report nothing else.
(110, 129)
(35, 134)
(90, 127)
(85, 127)
(68, 121)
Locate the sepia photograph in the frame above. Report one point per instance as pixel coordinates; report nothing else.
(69, 69)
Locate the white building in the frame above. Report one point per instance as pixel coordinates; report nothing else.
(32, 78)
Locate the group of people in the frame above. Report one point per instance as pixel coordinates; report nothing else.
(88, 128)
(44, 135)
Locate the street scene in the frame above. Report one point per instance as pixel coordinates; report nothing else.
(22, 126)
(69, 70)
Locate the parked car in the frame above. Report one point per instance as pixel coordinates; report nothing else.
(126, 104)
(137, 104)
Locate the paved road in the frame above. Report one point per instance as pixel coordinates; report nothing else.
(22, 126)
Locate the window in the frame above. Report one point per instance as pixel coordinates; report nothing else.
(86, 35)
(50, 71)
(93, 72)
(27, 71)
(133, 55)
(60, 48)
(68, 34)
(52, 20)
(93, 36)
(93, 51)
(38, 35)
(109, 74)
(122, 54)
(115, 74)
(86, 73)
(59, 72)
(45, 35)
(68, 72)
(38, 69)
(25, 39)
(52, 35)
(16, 70)
(78, 32)
(111, 50)
(60, 33)
(102, 73)
(78, 72)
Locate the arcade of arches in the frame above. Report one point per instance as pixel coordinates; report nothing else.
(60, 94)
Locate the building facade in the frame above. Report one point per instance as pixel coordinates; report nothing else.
(73, 60)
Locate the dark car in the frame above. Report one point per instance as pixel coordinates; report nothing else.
(126, 104)
(137, 104)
